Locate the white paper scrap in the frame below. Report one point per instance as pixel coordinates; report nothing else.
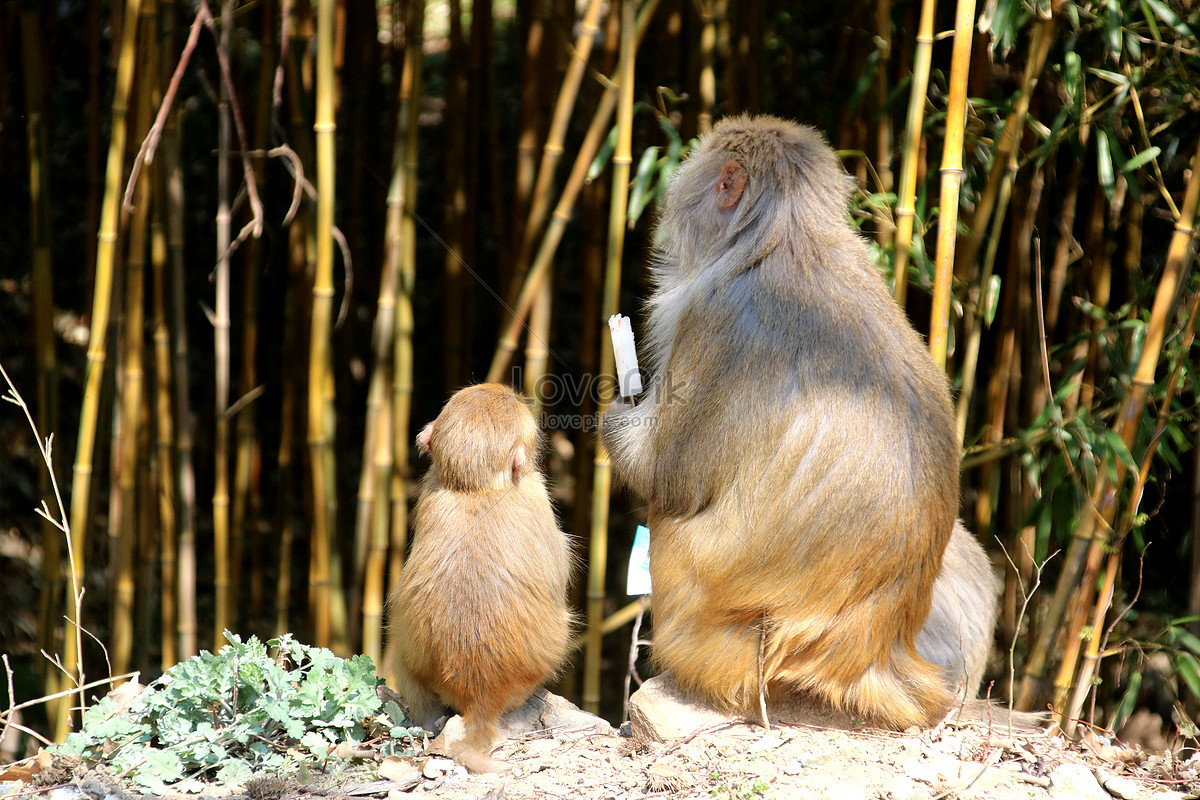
(628, 375)
(638, 580)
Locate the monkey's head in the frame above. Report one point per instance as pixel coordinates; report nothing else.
(485, 438)
(750, 184)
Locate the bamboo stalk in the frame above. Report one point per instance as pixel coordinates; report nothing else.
(375, 456)
(562, 214)
(1089, 668)
(92, 162)
(885, 230)
(996, 194)
(246, 488)
(972, 327)
(537, 351)
(952, 174)
(187, 627)
(376, 564)
(132, 388)
(1091, 535)
(1066, 248)
(601, 481)
(402, 375)
(223, 612)
(1100, 275)
(1007, 147)
(319, 366)
(455, 320)
(164, 429)
(533, 76)
(389, 524)
(301, 266)
(708, 79)
(97, 344)
(906, 202)
(589, 26)
(293, 336)
(43, 311)
(592, 206)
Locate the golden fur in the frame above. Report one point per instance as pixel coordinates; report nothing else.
(797, 448)
(480, 619)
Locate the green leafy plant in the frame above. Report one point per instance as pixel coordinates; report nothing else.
(277, 707)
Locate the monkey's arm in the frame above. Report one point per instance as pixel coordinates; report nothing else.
(626, 434)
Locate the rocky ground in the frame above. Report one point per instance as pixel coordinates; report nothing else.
(557, 751)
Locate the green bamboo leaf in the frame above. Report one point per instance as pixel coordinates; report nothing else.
(672, 133)
(1115, 78)
(1150, 22)
(1117, 446)
(864, 81)
(1189, 670)
(603, 155)
(1164, 13)
(640, 195)
(1187, 639)
(1066, 391)
(1112, 28)
(991, 299)
(1128, 699)
(1104, 164)
(1133, 50)
(1005, 25)
(1144, 157)
(1137, 340)
(1073, 77)
(1045, 527)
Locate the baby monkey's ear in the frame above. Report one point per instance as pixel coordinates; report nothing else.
(520, 462)
(424, 438)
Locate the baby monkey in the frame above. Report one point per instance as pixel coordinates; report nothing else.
(480, 618)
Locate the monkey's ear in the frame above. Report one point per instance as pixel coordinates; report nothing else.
(731, 184)
(424, 438)
(520, 463)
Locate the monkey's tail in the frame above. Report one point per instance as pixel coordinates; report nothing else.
(904, 691)
(994, 716)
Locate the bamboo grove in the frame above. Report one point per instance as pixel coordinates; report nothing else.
(253, 246)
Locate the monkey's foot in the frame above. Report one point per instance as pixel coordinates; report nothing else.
(543, 714)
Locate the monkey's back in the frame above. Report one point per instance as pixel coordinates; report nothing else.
(810, 506)
(483, 621)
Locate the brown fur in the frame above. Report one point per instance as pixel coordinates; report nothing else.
(480, 619)
(797, 448)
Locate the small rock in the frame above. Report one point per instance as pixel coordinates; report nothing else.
(1118, 786)
(545, 711)
(659, 712)
(401, 770)
(1075, 782)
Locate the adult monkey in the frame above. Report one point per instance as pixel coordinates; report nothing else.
(797, 449)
